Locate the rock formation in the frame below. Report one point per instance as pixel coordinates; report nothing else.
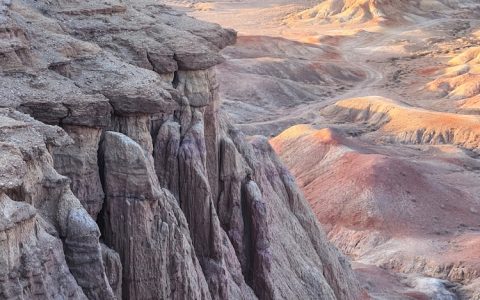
(388, 158)
(409, 125)
(459, 80)
(403, 208)
(121, 179)
(377, 11)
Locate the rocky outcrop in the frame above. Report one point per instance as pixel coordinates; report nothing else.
(145, 224)
(186, 206)
(404, 124)
(113, 270)
(79, 162)
(363, 11)
(32, 261)
(39, 212)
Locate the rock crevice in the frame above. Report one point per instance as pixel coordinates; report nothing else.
(188, 207)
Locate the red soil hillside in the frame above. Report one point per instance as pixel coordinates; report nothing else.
(408, 209)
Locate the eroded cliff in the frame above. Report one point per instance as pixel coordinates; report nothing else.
(121, 179)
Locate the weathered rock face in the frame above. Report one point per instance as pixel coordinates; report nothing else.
(79, 163)
(145, 224)
(32, 262)
(186, 206)
(38, 213)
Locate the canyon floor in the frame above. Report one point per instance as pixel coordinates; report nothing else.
(375, 110)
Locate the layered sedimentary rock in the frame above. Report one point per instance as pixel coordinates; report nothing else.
(408, 214)
(39, 212)
(186, 206)
(144, 223)
(408, 125)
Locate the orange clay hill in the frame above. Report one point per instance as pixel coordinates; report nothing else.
(405, 208)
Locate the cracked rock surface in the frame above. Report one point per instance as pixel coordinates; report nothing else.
(119, 177)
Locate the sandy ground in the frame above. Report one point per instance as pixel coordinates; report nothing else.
(389, 156)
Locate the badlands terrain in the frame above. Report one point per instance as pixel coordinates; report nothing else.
(374, 106)
(120, 178)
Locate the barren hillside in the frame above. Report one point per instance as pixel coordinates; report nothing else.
(387, 92)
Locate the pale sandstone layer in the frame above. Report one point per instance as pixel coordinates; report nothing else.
(120, 178)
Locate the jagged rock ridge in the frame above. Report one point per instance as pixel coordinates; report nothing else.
(393, 12)
(159, 197)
